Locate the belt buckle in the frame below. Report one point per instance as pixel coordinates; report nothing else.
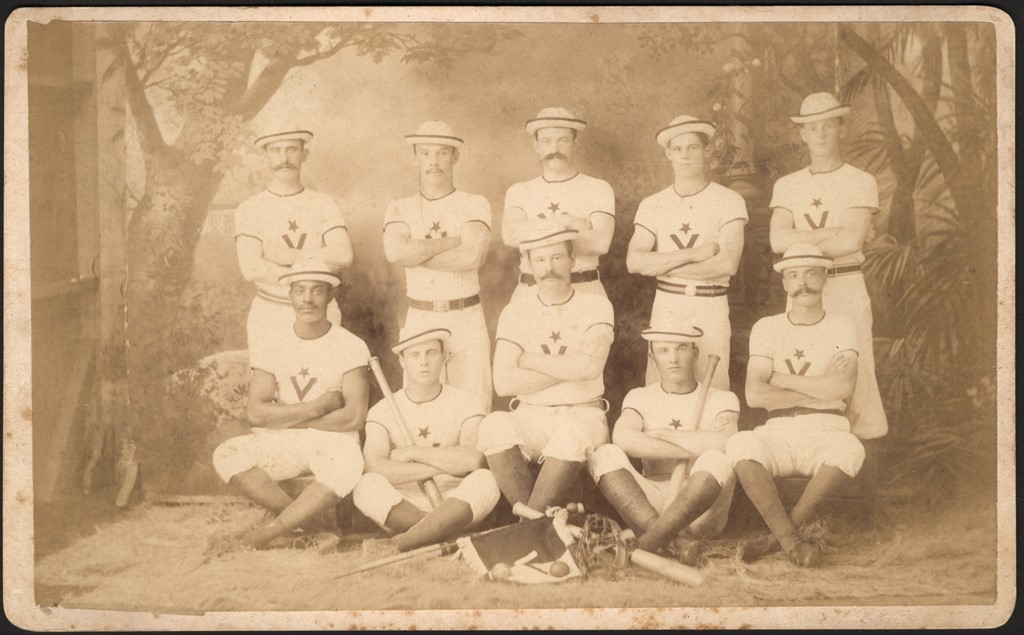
(690, 290)
(440, 306)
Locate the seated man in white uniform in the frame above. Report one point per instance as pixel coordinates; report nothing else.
(285, 223)
(561, 193)
(441, 235)
(307, 402)
(802, 368)
(657, 425)
(443, 421)
(690, 237)
(552, 344)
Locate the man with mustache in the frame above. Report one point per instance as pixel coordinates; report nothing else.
(552, 344)
(285, 223)
(307, 403)
(444, 421)
(657, 427)
(830, 204)
(561, 193)
(802, 368)
(441, 236)
(690, 237)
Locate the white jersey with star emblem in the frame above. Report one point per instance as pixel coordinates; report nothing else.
(556, 329)
(803, 349)
(823, 199)
(437, 218)
(580, 196)
(436, 423)
(305, 369)
(660, 409)
(682, 222)
(298, 221)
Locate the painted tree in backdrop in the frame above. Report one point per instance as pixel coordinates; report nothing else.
(191, 89)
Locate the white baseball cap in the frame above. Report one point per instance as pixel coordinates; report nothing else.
(434, 132)
(282, 134)
(554, 118)
(818, 106)
(310, 269)
(672, 333)
(410, 337)
(547, 233)
(802, 255)
(681, 125)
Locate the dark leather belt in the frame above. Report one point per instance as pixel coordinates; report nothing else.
(842, 269)
(800, 410)
(693, 290)
(577, 276)
(441, 306)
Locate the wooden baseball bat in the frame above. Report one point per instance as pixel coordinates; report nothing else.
(428, 486)
(675, 571)
(679, 473)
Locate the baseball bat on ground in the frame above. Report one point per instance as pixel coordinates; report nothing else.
(429, 486)
(646, 560)
(679, 473)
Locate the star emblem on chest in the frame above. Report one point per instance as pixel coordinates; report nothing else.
(676, 424)
(685, 228)
(817, 202)
(293, 226)
(553, 207)
(423, 433)
(304, 372)
(436, 227)
(799, 354)
(555, 336)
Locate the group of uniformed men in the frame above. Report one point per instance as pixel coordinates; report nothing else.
(810, 367)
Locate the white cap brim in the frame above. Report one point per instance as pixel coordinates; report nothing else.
(413, 139)
(831, 113)
(802, 261)
(667, 134)
(444, 335)
(305, 136)
(318, 276)
(559, 236)
(533, 125)
(662, 335)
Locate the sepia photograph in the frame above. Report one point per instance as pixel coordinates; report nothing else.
(505, 318)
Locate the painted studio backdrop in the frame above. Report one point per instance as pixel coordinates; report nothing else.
(141, 148)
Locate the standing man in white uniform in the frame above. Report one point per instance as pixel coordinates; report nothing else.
(690, 236)
(444, 421)
(802, 368)
(441, 236)
(307, 402)
(830, 204)
(282, 224)
(552, 345)
(561, 193)
(657, 426)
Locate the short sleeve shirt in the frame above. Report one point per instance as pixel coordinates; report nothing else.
(824, 199)
(439, 218)
(803, 349)
(557, 329)
(436, 423)
(660, 409)
(299, 221)
(305, 369)
(581, 196)
(683, 222)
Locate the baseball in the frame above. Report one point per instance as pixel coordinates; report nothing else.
(500, 571)
(559, 569)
